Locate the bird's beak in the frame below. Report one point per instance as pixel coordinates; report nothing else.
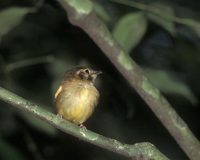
(95, 74)
(98, 72)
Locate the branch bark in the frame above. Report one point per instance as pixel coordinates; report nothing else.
(80, 13)
(143, 150)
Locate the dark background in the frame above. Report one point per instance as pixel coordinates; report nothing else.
(37, 46)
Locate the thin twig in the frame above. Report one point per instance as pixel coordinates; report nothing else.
(192, 23)
(80, 13)
(153, 9)
(28, 62)
(138, 150)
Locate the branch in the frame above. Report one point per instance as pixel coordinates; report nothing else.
(138, 150)
(80, 13)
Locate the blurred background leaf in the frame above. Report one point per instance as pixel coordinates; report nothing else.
(101, 12)
(162, 16)
(130, 29)
(11, 17)
(9, 152)
(194, 25)
(169, 84)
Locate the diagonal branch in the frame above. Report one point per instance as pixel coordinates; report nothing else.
(145, 150)
(80, 13)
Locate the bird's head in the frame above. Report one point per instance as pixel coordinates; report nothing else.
(84, 73)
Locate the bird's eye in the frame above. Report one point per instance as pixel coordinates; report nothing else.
(87, 71)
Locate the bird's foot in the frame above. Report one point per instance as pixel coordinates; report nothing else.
(82, 127)
(59, 115)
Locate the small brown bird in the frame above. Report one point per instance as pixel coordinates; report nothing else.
(77, 96)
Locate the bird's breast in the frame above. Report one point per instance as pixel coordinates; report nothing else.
(76, 101)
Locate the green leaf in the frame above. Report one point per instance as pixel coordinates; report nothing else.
(162, 16)
(11, 17)
(165, 81)
(101, 12)
(130, 29)
(9, 152)
(194, 25)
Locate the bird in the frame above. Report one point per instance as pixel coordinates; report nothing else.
(77, 97)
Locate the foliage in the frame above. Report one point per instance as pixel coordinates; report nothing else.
(39, 44)
(11, 17)
(129, 30)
